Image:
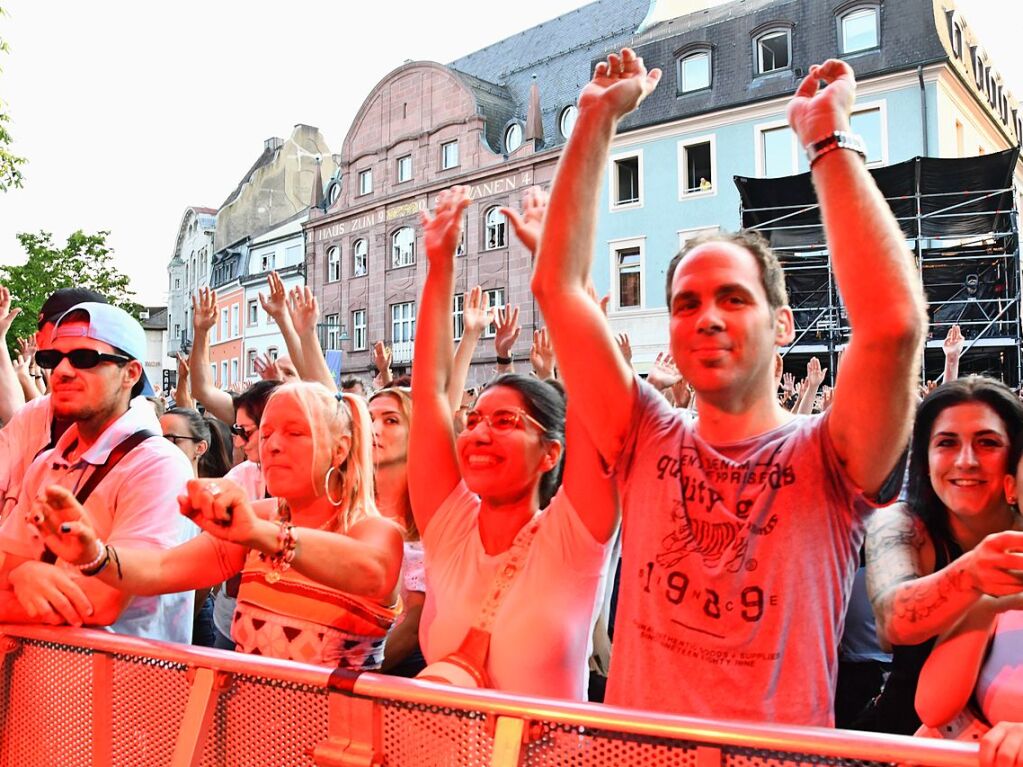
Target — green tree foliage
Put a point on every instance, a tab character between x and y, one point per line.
84	262
10	175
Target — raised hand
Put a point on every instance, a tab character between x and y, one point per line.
814	373
541	355
266	368
953	343
788	383
381	356
624	346
27	347
619	84
476	312
506	322
815	112
65	525
220	508
274	303
663	374
303	309
204	310
443	230
529	224
182	367
7	314
827	396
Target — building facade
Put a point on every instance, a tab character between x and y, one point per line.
925	88
494	121
188	270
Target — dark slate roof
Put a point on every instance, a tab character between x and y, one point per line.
496	104
908	39
157	318
560	52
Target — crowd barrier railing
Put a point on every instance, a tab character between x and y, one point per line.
84	698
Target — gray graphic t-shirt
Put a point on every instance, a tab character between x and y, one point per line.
737	563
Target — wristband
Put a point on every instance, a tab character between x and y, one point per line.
95	567
503	360
838	139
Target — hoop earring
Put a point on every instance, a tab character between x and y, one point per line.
326	487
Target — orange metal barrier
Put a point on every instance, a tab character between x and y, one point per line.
75	697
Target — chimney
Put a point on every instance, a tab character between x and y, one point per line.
273	143
534	120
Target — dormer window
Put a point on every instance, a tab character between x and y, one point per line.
512	138
772	50
859	29
694	70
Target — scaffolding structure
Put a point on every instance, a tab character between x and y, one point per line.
962	226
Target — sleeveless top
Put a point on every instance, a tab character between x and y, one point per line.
299	619
895	709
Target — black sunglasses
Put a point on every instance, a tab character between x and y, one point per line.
242	431
175	438
81	359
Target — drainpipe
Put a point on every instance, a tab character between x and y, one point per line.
923	108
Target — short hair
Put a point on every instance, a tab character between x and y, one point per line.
59	301
923	501
254	399
351	382
772	276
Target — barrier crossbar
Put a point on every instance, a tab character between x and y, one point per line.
71	697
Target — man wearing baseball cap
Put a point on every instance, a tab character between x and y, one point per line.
112	461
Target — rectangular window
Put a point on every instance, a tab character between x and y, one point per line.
627	181
694	72
860	30
627	274
333	323
272	352
405	168
696	166
267	262
293	255
773	51
250	362
778	152
224	383
253	313
869	124
359	330
458	315
403	322
177	331
234	370
225	324
449	155
495	297
365	181
235	323
213	373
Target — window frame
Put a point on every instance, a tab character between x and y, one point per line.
614	204
395	255
761	128
760	37
356	271
682	57
398	166
516	127
458	315
845	14
403	321
683	167
252	313
615	247
332	336
443	155
572	110
250	362
491	295
365	177
500	227
359	329
334	263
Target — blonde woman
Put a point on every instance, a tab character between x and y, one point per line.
319	565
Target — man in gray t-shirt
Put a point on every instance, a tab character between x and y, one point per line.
741	528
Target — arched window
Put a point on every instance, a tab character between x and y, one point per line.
334	264
512	138
772	50
360	251
693	70
567	120
859	28
496	229
403	247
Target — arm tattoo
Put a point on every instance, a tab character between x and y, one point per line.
919	604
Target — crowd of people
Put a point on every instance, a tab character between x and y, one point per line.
760	542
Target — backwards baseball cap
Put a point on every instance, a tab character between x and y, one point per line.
110	325
63	299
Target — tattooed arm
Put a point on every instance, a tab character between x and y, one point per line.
911	602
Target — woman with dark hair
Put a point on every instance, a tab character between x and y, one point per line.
217	460
514	562
932	558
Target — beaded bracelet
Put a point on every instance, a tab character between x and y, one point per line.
281	561
96	566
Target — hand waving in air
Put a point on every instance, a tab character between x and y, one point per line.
266	368
619	84
663	374
303	309
477	313
7	314
506	322
953	343
204	309
815	112
541	355
529	224
274	303
443	230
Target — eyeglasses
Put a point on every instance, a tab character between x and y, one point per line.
80	359
501	420
242	431
175	438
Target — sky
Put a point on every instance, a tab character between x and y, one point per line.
130	112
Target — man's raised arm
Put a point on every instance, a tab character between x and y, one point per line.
872	411
598	380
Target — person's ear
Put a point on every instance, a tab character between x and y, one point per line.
1011	493
551	456
201	447
341	450
784	326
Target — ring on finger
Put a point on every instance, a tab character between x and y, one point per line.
214	489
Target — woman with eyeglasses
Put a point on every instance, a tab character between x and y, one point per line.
319	566
494	514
